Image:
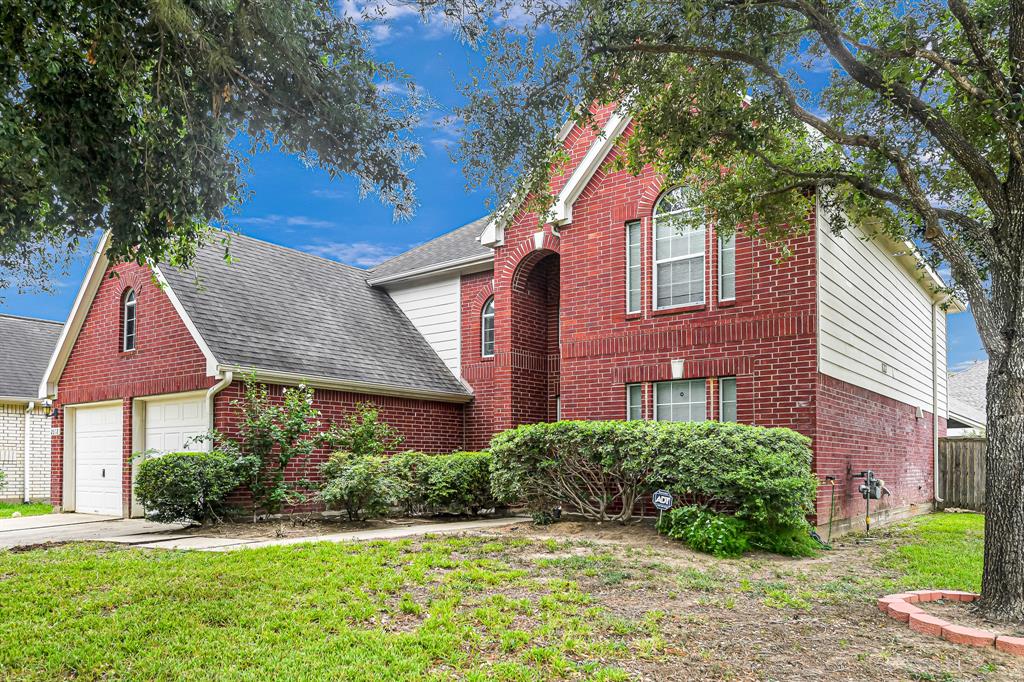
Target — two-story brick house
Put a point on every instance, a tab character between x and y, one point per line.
607	312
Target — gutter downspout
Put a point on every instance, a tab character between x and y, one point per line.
212	393
935	406
28	450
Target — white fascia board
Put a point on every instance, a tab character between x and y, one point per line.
211	361
293	379
434	269
561	212
494	234
69	333
17	400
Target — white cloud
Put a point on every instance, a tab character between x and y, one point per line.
330	193
277	220
360	254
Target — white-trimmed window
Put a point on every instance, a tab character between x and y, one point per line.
633	273
678	252
727	399
727	269
128	321
634	401
681	401
487	329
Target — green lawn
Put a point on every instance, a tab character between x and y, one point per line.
32	509
941	551
439	609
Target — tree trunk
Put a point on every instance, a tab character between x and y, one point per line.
1002	589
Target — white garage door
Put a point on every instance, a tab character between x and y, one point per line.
171	425
98	460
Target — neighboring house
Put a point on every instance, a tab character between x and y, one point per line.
26	345
605	313
967	404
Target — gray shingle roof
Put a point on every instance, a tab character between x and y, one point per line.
458	244
967	390
283	310
27	345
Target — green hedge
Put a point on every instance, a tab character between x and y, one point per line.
186	486
602	469
414	482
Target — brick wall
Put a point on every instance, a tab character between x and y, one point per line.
424	425
477	371
858	430
12	453
166	360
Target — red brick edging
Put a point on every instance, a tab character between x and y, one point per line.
902	607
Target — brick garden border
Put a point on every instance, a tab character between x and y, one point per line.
902	607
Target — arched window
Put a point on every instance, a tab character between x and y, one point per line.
128	321
487	328
678	251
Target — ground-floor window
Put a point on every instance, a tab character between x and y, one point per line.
681	401
727	399
634	401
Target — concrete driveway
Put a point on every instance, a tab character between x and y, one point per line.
34	530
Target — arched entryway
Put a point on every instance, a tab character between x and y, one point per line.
534	351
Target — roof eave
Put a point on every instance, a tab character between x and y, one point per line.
18	400
434	269
335	384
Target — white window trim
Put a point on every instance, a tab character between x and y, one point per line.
721	247
721	397
655	262
639	267
130	301
629	403
654	395
483	329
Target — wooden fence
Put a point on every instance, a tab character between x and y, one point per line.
962	473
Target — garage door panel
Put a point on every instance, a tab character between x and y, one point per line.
174	425
98	464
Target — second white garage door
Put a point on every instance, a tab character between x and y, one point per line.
98	460
173	424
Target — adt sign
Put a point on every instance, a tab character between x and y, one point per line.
662	500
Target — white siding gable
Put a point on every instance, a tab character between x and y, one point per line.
434	307
874	320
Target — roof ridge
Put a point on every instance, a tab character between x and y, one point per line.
31	319
428	242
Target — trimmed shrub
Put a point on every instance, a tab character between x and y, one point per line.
603	469
186	486
360	485
457	483
705	530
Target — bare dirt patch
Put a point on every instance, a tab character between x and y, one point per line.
300	526
761	617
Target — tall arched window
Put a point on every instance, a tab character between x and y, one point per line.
678	251
128	321
487	328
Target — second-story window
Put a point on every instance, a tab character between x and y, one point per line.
128	321
487	328
633	267
727	269
678	252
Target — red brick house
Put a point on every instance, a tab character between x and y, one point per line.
608	312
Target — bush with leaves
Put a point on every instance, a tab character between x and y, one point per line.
271	435
363	433
186	486
456	483
706	531
602	469
360	485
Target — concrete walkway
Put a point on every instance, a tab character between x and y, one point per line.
34	530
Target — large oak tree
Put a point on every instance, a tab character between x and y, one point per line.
917	123
138	117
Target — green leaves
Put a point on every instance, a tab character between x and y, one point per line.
139	117
186	486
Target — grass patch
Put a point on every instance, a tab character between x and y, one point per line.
7	509
444	608
943	551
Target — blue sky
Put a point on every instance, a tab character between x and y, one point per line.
303	208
